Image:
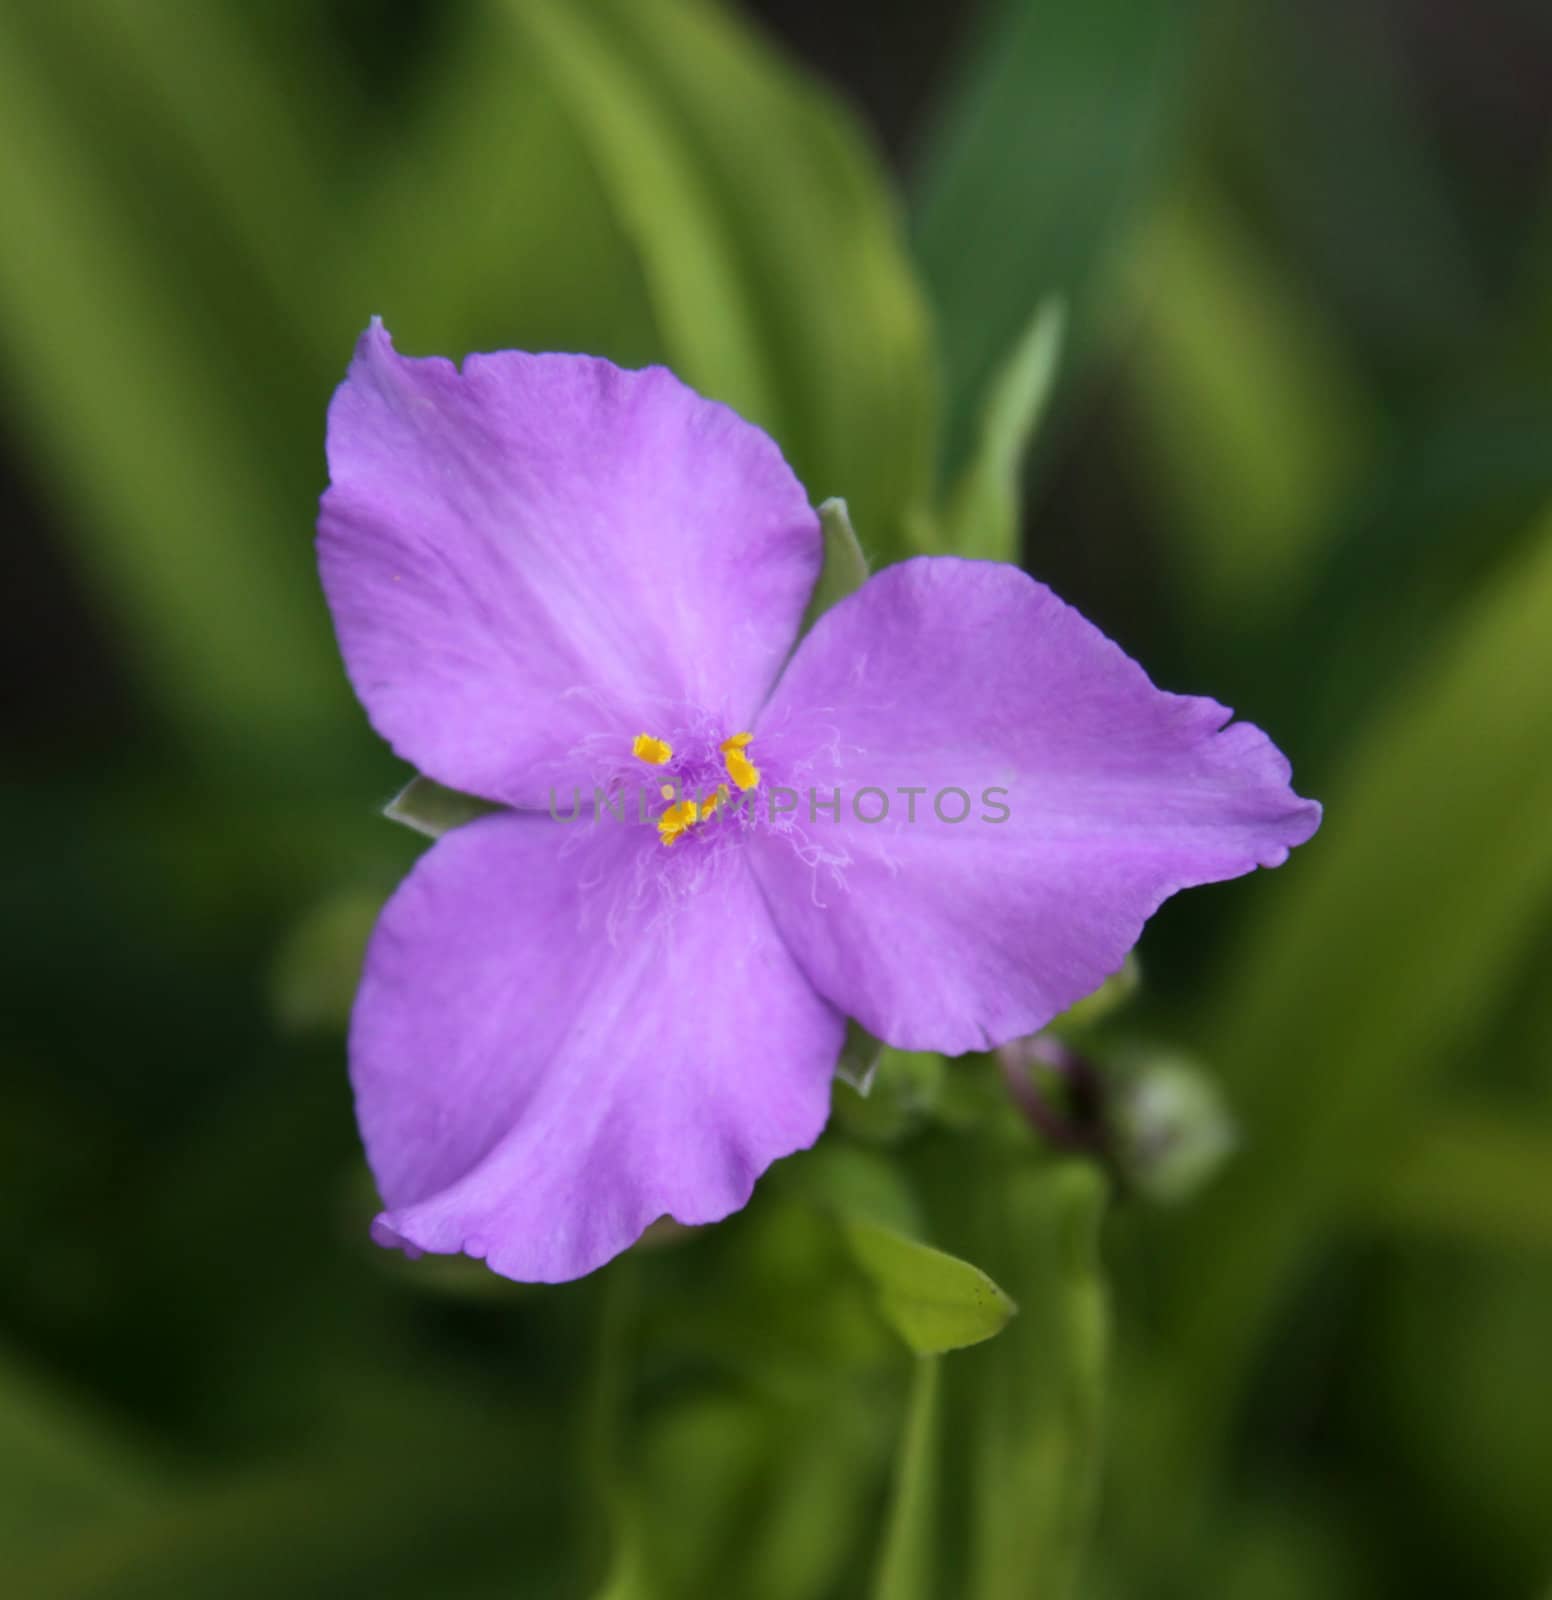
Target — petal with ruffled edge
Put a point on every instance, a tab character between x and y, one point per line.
948	675
551	1047
542	555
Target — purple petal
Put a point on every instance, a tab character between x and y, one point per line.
558	1041
942	675
543	555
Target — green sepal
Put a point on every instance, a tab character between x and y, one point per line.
845	568
860	1054
897	1092
433	810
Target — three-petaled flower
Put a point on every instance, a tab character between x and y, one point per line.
546	574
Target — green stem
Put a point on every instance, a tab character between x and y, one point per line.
906	1561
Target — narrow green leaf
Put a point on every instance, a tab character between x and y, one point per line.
194	537
984	513
1483	1176
531	250
1470	1330
62	1467
933	1300
1041	163
627	1579
1344	140
396	1507
433	810
1258	426
258	134
1036	1432
907	1560
766	234
319	965
1018	1468
810	1465
1379	954
660	185
1370	963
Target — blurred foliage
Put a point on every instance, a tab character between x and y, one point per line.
1295	453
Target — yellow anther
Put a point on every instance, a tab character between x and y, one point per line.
682	815
740	768
677	819
655	752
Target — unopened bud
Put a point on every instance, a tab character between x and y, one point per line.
1172	1130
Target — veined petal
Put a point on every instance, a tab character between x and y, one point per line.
551	1048
974	685
530	559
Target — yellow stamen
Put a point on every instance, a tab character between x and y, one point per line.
740	768
682	815
655	752
677	819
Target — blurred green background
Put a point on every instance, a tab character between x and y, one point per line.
1298	456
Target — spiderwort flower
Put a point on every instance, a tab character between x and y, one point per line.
549	576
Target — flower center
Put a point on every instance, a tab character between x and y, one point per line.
692	810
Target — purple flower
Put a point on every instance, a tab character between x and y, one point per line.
555	579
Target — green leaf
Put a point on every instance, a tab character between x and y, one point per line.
1369	962
62	1466
984	513
1018	1469
133	390
1470	1330
1037	1397
1380	952
1257	424
845	568
1473	1173
1343	141
396	1507
810	1465
627	1579
905	1565
1041	161
492	167
933	1300
319	965
767	237
254	133
433	810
